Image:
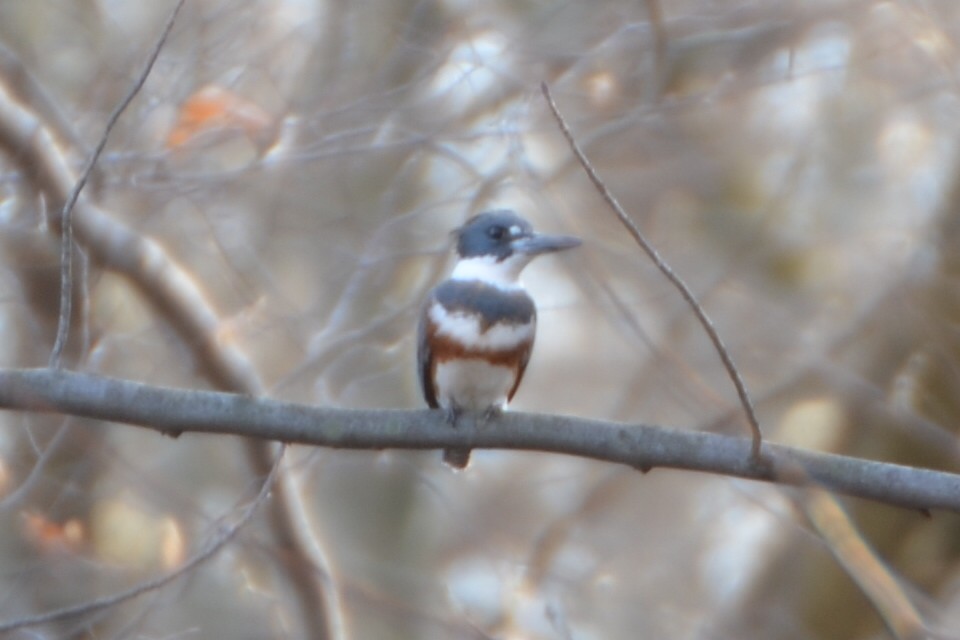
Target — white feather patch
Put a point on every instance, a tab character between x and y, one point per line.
465	329
476	384
504	274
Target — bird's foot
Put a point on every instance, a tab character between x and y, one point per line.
492	412
451	414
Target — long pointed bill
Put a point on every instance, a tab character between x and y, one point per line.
540	243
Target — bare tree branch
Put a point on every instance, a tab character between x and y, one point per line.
860	562
115	245
181	301
640	446
66	224
668	273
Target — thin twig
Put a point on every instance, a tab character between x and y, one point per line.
16	497
202	556
668	272
655	13
66	224
640	446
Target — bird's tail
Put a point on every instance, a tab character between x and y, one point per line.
457	458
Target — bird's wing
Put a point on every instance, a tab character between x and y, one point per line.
425	356
524	359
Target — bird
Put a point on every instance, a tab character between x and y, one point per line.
476	328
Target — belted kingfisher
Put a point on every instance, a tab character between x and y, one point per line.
477	327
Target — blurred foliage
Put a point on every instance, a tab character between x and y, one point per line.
794	161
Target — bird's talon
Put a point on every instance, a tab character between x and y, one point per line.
451	414
492	412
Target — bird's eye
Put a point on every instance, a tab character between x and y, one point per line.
496	232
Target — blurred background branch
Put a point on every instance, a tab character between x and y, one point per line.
167	285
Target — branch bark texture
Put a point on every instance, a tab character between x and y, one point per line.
641	446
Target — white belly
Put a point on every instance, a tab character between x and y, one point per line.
474	385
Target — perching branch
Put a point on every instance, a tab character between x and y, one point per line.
641	446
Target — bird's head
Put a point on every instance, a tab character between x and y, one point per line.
495	246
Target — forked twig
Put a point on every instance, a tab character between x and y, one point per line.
667	271
66	225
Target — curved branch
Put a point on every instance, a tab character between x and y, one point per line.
182	302
641	446
685	292
66	214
